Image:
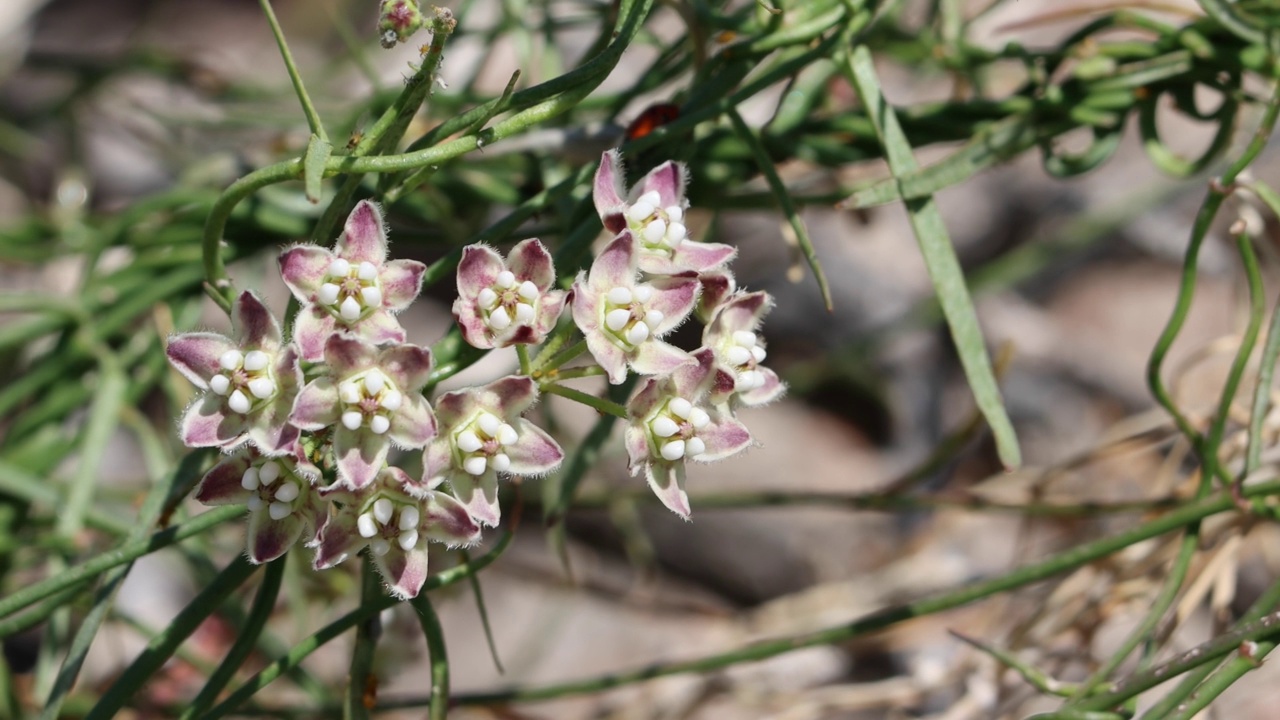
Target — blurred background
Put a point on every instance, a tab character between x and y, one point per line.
106	105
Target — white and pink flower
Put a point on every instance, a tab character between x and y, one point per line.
249	382
352	289
507	303
482	435
373	398
733	334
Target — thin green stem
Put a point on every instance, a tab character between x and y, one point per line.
439	658
247	639
601	405
360	678
309	109
522	354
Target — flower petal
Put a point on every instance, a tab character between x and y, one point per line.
668	180
359	455
771	390
667	482
207	423
269	539
743	311
348	355
692	380
364	239
585	306
454	407
511	396
303	268
529	260
405	572
607	192
724	438
636	440
401	283
608	356
413	425
535	452
478	270
337	539
275	438
479	495
648	396
446	520
221	485
196	355
254	325
654	357
549	311
311	330
703	257
379	327
717	285
316	407
615	265
472	325
408	366
437	460
674	297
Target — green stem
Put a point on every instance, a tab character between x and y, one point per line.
162	647
542	367
360	678
522	354
439	658
601	405
313	117
247	639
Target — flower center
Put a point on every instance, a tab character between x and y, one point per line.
245	379
479	444
385	521
280	499
507	302
369	399
673	430
626	317
744	353
660	229
350	292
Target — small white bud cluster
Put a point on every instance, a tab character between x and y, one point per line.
243	375
625	314
385	521
260	479
744	352
508	302
371	399
350	290
479	444
659	228
675	429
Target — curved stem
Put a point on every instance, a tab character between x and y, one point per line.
601	405
308	108
439	658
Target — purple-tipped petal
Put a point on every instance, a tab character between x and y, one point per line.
359	455
401	283
269	539
723	439
364	239
668	180
648	396
207	423
743	311
703	257
608	356
636	441
615	265
313	327
472	325
275	438
437	460
674	297
535	452
608	190
549	312
404	572
254	325
316	407
477	270
221	485
585	306
510	396
655	357
453	407
303	268
479	495
691	379
347	355
336	540
413	425
408	366
771	390
196	355
445	520
717	286
529	260
667	482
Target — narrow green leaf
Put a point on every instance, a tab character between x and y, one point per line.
313	164
940	259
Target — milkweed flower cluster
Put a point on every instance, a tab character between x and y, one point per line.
308	426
